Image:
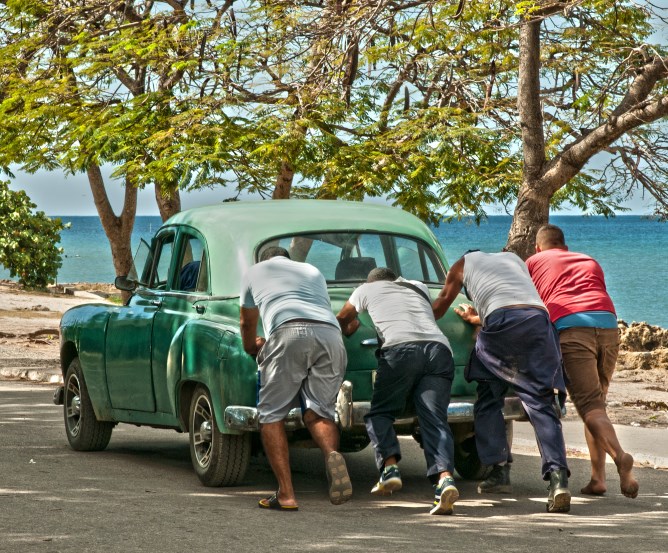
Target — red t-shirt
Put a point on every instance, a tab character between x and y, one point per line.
569	282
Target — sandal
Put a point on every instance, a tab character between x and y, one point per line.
272	502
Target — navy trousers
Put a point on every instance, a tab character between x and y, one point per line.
420	373
518	347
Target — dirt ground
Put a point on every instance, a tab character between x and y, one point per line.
638	395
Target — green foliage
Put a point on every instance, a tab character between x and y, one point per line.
28	240
400	100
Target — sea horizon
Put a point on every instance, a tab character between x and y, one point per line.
630	248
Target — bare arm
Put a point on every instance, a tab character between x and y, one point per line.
348	320
248	319
468	313
453	285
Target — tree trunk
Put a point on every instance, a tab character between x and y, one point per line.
533	200
531	212
118	229
168	203
284	182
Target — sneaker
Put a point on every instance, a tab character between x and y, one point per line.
445	497
340	487
498	480
559	498
390	481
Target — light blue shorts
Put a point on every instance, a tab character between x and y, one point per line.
302	363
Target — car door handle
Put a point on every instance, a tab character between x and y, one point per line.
199	308
370	342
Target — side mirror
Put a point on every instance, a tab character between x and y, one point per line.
124	283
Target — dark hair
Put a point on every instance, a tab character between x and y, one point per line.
551	235
274	251
381	273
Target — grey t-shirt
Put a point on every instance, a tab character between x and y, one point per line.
284	290
495	280
399	314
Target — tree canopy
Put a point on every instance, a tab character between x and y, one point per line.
441	106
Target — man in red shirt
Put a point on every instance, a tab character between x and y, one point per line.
572	286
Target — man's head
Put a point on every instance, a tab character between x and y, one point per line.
550	237
274	251
381	273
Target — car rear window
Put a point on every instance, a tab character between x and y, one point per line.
349	256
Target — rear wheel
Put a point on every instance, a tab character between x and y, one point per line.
84	431
218	459
467	462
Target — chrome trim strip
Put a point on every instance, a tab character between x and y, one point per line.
350	414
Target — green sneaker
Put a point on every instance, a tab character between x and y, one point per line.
445	496
390	481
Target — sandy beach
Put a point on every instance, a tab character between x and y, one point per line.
29	349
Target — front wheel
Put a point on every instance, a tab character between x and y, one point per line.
84	431
218	459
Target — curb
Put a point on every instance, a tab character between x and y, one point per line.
31	375
521	442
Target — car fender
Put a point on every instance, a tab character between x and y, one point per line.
212	354
82	334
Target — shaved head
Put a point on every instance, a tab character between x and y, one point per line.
381	273
549	237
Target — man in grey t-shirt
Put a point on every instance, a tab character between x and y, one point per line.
415	362
302	360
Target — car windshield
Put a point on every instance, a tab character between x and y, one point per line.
348	257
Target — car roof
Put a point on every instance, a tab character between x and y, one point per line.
240	227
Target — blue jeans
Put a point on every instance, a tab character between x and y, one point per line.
417	373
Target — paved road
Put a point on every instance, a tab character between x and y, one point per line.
142	495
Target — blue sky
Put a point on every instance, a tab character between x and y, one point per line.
56	194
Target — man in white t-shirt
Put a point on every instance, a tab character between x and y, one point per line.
301	361
415	363
517	347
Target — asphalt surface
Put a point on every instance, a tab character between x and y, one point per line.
141	494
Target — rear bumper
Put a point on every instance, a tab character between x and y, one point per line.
350	415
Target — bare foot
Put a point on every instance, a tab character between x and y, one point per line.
627	483
594	487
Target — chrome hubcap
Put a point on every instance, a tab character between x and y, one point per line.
202	431
73	406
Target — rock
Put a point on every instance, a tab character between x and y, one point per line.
642	337
642	347
643	360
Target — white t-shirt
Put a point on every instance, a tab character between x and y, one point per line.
399	314
284	290
495	280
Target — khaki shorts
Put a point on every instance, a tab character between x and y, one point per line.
302	363
590	355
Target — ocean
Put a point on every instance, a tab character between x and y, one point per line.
631	249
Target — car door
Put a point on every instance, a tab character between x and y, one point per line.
185	299
128	348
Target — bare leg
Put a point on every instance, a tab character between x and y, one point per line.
605	440
597	484
275	444
324	432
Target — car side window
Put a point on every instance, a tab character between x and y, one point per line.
163	259
192	275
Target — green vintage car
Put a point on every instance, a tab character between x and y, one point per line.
172	357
